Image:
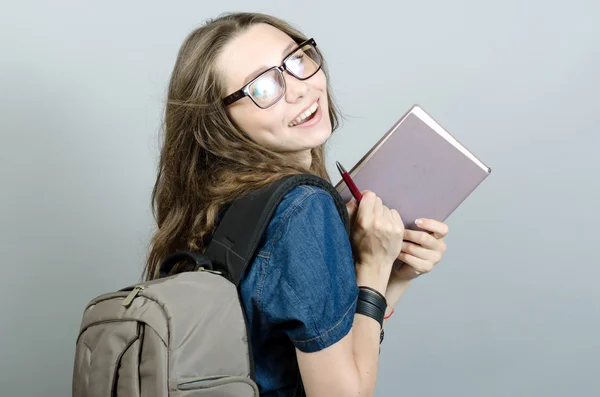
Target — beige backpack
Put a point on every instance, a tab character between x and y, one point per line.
183	335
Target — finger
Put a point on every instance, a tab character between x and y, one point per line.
420	252
438	228
379	207
422	238
365	209
407	270
418	264
396	216
387	213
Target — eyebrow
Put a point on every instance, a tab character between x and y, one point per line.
262	68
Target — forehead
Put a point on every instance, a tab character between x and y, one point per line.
260	45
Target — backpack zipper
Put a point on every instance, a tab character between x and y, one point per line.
136	290
202	269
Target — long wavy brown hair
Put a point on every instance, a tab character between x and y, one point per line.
206	161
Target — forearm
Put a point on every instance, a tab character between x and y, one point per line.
366	335
394	291
365	340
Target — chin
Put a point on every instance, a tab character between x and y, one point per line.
317	135
325	135
316	138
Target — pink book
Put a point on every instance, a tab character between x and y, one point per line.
418	169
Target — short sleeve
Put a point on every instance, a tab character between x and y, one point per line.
309	288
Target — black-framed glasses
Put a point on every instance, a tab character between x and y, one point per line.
269	86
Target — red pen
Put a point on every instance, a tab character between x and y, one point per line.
349	182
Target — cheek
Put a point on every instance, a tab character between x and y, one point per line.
320	84
244	117
320	81
258	123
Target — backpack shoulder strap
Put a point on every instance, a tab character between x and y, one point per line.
239	233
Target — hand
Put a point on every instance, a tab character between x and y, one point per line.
376	237
421	250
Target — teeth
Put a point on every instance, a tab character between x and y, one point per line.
304	115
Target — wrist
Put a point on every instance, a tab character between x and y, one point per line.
371	277
371	303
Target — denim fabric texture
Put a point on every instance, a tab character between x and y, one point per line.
301	289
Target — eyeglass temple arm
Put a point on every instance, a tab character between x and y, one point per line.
234	97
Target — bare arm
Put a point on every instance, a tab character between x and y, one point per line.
349	367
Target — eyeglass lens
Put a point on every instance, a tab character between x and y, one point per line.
268	88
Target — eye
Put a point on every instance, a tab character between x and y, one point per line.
296	64
267	88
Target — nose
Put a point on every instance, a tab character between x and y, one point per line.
295	89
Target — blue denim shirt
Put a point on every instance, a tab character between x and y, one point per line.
301	289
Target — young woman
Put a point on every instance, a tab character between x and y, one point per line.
249	103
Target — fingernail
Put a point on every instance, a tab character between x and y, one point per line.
419	221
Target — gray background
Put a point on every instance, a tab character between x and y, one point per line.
513	309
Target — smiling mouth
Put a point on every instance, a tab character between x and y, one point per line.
307	115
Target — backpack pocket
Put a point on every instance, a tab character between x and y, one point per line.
121	350
106	362
217	386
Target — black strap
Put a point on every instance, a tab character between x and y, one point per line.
241	230
370	310
199	259
373	299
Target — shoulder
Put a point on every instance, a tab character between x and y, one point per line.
306	195
304	209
